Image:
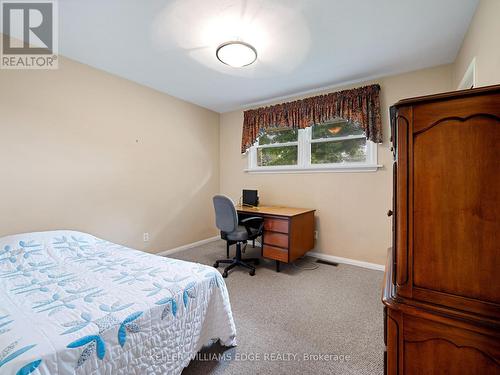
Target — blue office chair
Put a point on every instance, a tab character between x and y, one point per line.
226	219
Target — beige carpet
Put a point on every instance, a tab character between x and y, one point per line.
286	320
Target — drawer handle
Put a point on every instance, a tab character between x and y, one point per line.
390	213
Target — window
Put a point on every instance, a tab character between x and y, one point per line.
338	146
278	147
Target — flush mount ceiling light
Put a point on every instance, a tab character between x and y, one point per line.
236	54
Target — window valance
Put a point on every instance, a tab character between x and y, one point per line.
360	105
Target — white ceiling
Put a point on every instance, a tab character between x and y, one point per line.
170	45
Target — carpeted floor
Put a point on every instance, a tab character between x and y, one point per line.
286	320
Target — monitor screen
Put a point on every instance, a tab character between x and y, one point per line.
250	198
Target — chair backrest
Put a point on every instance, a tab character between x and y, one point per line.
226	217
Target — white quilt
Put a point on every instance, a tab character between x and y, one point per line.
71	303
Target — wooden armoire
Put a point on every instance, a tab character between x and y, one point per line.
442	281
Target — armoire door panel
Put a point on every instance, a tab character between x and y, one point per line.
428	114
456	206
445	346
439	355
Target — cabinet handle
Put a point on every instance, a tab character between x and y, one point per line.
389	213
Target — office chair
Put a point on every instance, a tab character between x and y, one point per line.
230	243
226	219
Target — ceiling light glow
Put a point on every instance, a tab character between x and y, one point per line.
236	54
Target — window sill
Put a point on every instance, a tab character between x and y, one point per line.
324	169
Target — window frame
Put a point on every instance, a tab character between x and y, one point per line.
304	164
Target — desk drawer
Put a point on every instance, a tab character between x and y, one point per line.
276	239
276	225
275	253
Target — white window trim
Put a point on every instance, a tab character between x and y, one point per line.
304	157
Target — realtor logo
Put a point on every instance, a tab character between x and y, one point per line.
29	34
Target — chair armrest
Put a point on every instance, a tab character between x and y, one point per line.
246	220
256	219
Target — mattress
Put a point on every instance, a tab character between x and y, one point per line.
71	303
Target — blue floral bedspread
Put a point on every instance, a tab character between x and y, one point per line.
71	303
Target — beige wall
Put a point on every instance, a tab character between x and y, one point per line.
482	41
351	207
82	149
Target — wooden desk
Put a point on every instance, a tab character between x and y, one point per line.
288	232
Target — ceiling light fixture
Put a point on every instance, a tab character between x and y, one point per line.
236	54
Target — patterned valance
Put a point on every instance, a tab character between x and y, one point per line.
360	105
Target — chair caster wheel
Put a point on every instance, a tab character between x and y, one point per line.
224	274
252	273
216	264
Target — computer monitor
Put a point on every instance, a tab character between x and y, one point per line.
250	198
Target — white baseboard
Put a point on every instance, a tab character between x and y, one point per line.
330	258
188	246
352	262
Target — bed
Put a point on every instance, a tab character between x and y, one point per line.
71	303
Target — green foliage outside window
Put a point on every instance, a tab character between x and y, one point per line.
335	130
332	151
278	135
272	156
348	151
342	151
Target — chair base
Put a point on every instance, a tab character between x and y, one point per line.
237	261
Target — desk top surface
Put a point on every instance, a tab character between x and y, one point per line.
273	210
